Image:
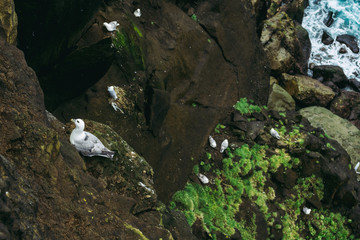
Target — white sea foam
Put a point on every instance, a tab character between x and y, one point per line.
346	21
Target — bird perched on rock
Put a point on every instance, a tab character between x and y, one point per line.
86	143
111	26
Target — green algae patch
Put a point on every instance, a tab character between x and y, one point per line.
137	30
128	47
135	230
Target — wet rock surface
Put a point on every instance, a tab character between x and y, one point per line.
326	38
332	76
349	41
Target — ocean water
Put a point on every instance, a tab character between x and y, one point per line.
346	21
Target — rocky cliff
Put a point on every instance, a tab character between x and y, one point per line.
177	70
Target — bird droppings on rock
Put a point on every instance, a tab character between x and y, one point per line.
118	99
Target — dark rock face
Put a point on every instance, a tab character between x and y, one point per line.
347	106
194	72
302	58
332	76
46	190
326	38
49	30
349	41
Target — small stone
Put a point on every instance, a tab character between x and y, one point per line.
326	38
342	50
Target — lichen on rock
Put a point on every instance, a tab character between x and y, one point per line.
8	19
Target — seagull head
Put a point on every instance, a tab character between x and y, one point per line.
79	123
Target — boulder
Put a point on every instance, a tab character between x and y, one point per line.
306	90
294	9
347	106
350	41
280	43
328	21
341	130
332	76
280	100
326	38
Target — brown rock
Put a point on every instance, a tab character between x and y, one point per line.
47	192
280	100
347	106
307	91
8	19
280	43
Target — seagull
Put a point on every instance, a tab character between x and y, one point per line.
111	26
86	143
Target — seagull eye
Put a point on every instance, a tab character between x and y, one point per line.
77	121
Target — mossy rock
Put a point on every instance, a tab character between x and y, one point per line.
341	130
127	173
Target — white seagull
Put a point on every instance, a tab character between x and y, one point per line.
86	143
111	26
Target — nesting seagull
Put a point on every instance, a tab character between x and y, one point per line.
111	26
86	143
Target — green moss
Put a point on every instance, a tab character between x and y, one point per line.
245	107
137	30
128	46
218	127
330	146
196	169
217	206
